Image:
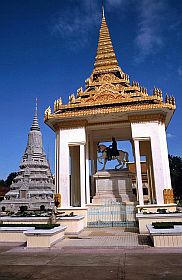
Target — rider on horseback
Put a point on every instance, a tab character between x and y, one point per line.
112	150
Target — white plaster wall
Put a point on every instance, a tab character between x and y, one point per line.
67	137
156	133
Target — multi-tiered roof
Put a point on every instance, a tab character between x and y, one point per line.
108	91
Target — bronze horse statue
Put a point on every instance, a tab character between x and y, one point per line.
122	157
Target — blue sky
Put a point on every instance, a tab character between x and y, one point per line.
47	50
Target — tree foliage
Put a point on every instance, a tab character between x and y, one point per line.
9	180
175	164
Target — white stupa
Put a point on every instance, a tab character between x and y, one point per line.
33	186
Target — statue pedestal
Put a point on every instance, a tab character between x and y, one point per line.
113	185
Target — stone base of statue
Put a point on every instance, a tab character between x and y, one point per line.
113	185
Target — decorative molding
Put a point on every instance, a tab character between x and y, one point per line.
86	112
147	118
108	123
70	124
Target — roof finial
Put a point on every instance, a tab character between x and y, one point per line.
103	9
36	104
35	125
105	60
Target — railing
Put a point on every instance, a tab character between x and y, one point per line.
111	214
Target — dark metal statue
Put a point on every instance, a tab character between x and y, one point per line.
112	153
112	150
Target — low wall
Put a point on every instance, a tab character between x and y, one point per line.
79	211
154	207
13	234
112	214
44	238
166	237
146	219
74	224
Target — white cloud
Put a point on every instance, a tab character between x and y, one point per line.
115	3
179	72
76	24
151	22
170	135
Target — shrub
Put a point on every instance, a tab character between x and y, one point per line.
163	225
162	211
23	208
42	207
46	226
37	226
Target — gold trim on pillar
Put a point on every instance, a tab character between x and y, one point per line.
57	199
168	196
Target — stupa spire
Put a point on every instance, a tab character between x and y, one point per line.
103	15
33	184
35	124
105	59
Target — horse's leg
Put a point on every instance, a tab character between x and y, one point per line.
126	159
100	157
119	163
105	161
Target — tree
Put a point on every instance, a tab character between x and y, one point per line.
10	178
2	183
175	164
5	184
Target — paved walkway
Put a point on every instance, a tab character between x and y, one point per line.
106	237
107	254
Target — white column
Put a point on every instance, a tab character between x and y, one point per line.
57	163
155	131
138	172
159	171
167	176
64	179
87	174
82	174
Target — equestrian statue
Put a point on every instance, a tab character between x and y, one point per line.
111	153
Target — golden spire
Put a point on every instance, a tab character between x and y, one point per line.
103	8
105	59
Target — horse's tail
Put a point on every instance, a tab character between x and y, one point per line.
126	157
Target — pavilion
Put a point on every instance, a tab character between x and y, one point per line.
110	106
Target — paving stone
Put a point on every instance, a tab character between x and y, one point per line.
103	255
